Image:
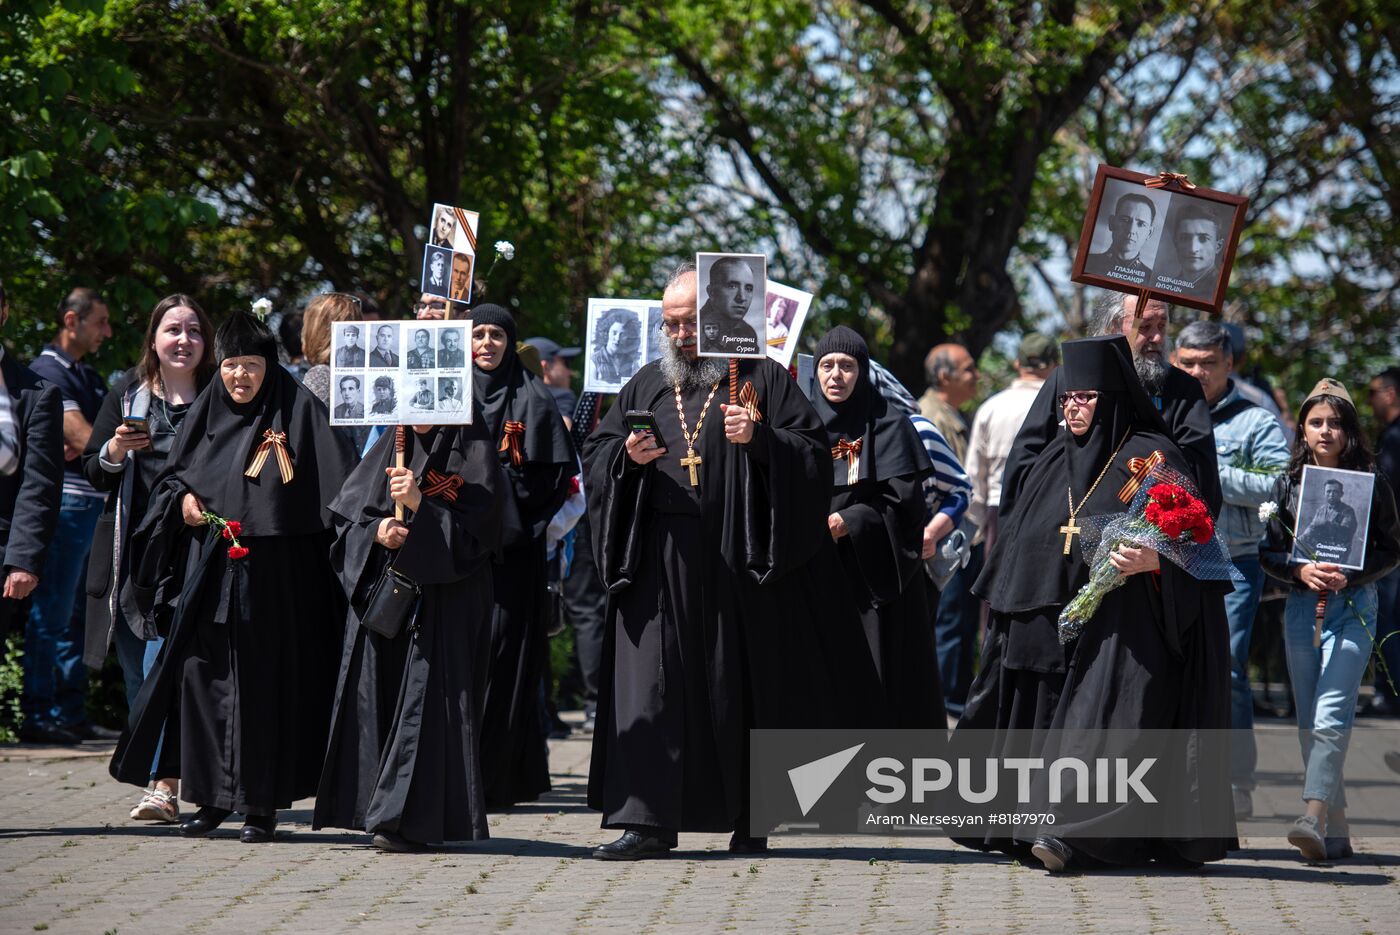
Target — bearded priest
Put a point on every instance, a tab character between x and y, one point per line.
707	532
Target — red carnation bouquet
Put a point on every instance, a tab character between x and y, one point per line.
1166	516
230	530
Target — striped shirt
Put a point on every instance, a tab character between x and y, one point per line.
82	390
948	490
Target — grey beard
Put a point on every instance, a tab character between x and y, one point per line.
1152	371
680	370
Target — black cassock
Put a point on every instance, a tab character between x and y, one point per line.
515	755
719	618
884	511
404	752
1154	657
242	688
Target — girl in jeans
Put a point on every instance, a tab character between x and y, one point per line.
1326	678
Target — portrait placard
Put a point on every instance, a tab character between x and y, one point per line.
615	346
1175	242
450	255
785	312
1334	513
415	371
731	304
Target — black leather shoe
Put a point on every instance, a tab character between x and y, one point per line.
259	829
95	732
743	844
1052	852
204	821
396	843
633	845
55	735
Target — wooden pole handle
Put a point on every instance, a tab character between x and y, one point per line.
399	442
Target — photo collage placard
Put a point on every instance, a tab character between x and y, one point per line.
449	259
411	372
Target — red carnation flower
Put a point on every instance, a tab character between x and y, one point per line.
234	527
236	552
226	533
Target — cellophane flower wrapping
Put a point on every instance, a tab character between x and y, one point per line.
1177	509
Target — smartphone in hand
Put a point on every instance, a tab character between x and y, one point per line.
644	420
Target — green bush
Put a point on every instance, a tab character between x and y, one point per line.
11	685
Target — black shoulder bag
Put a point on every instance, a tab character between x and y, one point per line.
391	603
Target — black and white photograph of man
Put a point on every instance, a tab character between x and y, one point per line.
386	400
450	353
1196	243
614	347
1126	232
437	271
731	298
460	289
449	394
444	226
1334	508
384	353
421	356
422	398
352	399
350	353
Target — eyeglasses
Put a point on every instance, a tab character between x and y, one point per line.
346	295
1079	397
675	327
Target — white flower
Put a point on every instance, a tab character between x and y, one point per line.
262	307
1267	511
506	249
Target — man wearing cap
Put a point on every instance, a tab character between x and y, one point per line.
350	354
996	423
555	371
1250	451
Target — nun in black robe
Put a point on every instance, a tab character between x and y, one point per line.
538	456
720	617
243	686
883	510
404	760
1154	657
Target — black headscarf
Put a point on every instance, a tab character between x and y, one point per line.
511	393
219	438
890	445
1027	569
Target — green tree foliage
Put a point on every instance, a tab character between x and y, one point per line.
258	147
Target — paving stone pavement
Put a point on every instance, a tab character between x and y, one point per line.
71	861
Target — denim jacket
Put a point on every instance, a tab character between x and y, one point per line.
1248	443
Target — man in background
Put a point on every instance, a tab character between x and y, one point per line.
995	426
55	679
1384	393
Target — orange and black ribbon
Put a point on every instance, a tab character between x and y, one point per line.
466	229
1141	469
1163	179
512	434
272	441
850	450
445	486
748	398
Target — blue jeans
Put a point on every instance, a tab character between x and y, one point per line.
1241	605
955	633
147	661
1388	636
55	679
1326	680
